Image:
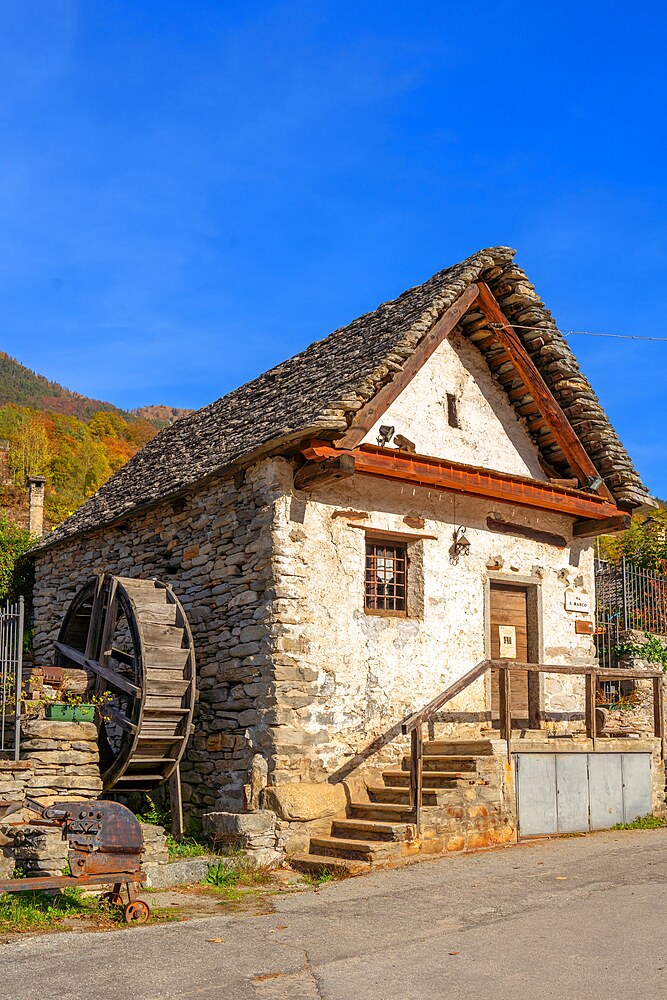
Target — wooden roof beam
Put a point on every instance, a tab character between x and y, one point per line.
439	474
382	400
588	528
577	456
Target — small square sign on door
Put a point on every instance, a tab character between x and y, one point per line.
507	634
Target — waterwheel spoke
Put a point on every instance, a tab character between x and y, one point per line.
138	645
115	680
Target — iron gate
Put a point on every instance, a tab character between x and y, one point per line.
11	676
627	598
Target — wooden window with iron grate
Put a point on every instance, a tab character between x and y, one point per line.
386	583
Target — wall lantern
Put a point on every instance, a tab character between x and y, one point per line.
461	543
385	434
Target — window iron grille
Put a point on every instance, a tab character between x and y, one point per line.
386	578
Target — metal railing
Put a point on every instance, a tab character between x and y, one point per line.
413	725
627	597
11	676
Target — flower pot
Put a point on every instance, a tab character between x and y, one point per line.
58	712
84	713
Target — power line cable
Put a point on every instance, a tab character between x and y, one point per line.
587	333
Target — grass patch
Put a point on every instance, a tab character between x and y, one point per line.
235	880
649	822
321	877
26	911
188	847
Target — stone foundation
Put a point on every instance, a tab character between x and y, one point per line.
59	760
254	833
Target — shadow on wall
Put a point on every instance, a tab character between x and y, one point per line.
391	734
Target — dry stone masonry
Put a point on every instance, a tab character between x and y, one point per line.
300	692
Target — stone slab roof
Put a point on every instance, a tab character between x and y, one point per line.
318	391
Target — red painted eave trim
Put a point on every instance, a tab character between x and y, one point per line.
437	473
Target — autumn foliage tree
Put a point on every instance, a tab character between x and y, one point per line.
76	456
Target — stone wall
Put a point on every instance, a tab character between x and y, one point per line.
289	666
347	678
59	761
214	547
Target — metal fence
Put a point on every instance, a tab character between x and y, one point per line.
11	676
627	598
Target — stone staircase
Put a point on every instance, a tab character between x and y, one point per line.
461	808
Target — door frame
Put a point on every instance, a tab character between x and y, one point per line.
533	587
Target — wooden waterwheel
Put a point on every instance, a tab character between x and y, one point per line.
133	639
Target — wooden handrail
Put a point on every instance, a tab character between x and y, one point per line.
413	724
428	711
637	673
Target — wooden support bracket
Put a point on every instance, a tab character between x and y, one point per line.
315	475
588	527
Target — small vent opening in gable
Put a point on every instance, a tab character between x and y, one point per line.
452	410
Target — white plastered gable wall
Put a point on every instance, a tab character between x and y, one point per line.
373	670
489	435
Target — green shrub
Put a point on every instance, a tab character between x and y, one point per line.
14	576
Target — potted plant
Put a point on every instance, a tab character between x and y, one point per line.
64	705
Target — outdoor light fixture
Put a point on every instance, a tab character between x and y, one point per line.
461	543
594	483
385	434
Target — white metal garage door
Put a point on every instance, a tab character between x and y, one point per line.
576	792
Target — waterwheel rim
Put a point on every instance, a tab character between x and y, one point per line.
142	733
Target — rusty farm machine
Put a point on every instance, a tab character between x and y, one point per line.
132	638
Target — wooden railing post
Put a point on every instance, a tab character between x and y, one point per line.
659	714
416	775
591	719
505	709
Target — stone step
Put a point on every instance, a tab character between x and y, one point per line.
439	762
400	796
466	748
390	812
346	847
317	864
430	779
372	829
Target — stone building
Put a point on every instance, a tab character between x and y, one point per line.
356	529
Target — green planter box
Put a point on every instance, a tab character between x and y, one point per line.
58	712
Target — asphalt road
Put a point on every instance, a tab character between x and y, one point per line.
567	919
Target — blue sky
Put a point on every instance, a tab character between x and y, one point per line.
191	192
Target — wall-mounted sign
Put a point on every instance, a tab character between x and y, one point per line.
577	601
582	627
507	634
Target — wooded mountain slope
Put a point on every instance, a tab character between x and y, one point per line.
23	387
75	441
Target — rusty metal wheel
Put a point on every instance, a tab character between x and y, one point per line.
137	912
111	898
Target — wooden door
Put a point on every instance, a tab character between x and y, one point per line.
509	640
